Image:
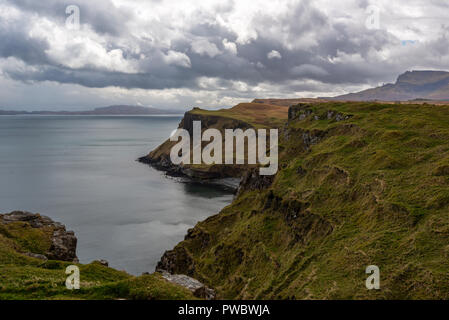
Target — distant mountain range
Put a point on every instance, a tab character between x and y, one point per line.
411	85
111	110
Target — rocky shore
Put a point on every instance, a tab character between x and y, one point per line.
53	242
62	243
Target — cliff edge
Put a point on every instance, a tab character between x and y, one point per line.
242	116
359	184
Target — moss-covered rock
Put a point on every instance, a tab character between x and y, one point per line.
31	243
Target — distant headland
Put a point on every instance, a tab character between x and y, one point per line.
110	110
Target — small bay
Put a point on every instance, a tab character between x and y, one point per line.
82	171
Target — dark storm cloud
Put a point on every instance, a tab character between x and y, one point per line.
302	43
16	43
102	15
102	79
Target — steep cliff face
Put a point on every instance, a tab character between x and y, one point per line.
242	116
359	184
160	157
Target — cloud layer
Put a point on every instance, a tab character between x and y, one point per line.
210	54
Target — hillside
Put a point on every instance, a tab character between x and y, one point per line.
288	102
111	110
243	115
359	184
34	254
411	85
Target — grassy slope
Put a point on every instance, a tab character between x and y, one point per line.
381	186
22	277
255	115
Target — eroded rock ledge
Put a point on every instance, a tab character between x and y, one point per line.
62	242
198	289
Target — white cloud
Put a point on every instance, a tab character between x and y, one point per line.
273	54
204	47
211	51
230	46
178	59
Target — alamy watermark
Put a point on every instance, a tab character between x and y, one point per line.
72	22
372	22
258	151
73	280
373	281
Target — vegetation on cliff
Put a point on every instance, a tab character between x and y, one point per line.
359	184
26	240
243	116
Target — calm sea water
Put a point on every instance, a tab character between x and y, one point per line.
81	171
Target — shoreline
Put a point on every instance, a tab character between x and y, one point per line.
191	175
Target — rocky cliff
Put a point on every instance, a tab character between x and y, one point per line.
242	116
359	184
56	243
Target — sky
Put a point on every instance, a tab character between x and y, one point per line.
210	54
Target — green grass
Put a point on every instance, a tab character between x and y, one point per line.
22	277
380	179
256	114
244	115
373	190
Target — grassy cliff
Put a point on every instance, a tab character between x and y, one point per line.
25	277
359	184
243	116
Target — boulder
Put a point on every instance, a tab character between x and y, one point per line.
36	256
102	262
198	289
63	242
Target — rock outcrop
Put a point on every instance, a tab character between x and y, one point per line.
176	261
160	157
302	111
251	181
198	289
62	242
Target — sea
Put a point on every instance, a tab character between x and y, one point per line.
82	171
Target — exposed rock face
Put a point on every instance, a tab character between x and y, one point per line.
36	256
312	137
160	157
63	246
63	242
251	181
176	261
304	224
303	111
35	220
198	289
211	121
309	138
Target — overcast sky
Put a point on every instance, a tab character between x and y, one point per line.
180	54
